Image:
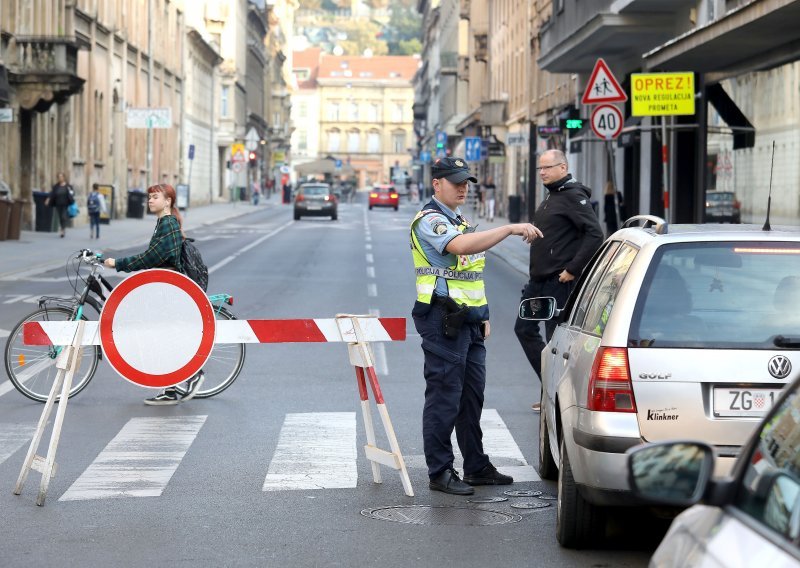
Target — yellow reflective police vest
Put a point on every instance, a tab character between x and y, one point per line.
464	279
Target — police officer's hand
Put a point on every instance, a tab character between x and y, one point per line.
565	277
485	329
527	231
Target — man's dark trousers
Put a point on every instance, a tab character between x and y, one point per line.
455	377
528	331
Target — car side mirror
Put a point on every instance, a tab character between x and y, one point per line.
538	309
670	473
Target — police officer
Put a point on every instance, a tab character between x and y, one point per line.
451	315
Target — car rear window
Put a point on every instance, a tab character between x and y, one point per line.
719	295
315	190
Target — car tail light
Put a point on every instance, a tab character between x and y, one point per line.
610	386
327	198
393	196
737	204
299	197
373	195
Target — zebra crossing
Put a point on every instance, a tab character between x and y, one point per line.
315	451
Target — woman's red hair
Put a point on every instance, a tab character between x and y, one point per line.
169	192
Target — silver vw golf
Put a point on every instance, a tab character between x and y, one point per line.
681	331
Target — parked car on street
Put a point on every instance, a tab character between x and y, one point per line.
383	196
671	331
723	207
749	519
315	199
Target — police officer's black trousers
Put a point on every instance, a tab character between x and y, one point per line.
528	331
455	377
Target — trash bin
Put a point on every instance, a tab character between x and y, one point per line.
5	217
136	200
15	220
44	213
514	208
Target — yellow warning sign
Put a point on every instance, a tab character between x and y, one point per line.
237	152
662	94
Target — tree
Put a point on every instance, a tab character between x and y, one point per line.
410	47
361	36
311	4
405	24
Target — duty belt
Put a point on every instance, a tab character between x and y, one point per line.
449	273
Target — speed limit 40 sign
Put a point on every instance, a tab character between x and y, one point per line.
607	122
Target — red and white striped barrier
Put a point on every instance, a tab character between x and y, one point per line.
339	329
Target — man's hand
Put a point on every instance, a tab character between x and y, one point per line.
486	329
527	231
565	277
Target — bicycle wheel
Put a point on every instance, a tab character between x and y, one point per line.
32	368
223	365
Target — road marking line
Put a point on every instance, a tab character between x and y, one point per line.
370	259
5	332
139	461
13	437
370	272
315	451
368	246
372	290
244	249
5	387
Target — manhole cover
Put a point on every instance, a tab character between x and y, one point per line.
522	493
530	505
547	497
436	515
487	500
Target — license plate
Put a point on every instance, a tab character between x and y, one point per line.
313	207
743	401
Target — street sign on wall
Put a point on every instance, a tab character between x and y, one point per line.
148	117
662	94
472	149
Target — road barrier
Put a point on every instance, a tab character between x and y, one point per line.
163	303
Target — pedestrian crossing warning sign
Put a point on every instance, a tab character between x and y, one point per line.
603	87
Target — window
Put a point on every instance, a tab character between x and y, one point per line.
224	101
374	142
302	110
302	141
372	112
397	112
588	290
771	483
333	111
353	141
353	111
333	141
398	142
599	310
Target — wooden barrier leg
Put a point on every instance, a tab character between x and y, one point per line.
387	426
68	363
366	412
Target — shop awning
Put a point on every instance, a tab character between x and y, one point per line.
759	35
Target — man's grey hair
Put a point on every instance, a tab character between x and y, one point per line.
558	155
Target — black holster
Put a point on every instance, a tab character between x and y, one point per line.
455	315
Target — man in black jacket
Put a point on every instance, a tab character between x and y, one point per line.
572	234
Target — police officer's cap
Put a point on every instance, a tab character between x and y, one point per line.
454	170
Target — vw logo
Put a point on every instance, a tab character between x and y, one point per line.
779	367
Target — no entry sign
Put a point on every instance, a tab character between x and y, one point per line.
157	328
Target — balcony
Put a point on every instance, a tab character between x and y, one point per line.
43	71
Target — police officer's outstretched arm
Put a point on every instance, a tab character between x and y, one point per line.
472	243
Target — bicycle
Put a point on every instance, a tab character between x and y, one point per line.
32	370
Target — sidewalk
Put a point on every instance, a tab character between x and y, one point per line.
36	252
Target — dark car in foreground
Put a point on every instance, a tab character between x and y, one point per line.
317	199
751	518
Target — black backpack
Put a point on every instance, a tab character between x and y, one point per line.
93	203
193	265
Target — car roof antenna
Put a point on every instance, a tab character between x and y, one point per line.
766	226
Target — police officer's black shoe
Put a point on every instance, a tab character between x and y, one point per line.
449	482
488	476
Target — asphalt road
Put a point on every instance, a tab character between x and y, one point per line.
222	496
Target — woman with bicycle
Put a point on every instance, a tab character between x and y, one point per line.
164	251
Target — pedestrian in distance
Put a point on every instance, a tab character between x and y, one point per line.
489	191
164	251
95	205
572	234
61	197
451	314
